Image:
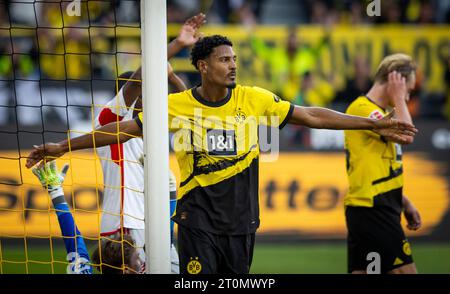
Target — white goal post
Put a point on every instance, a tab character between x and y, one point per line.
156	137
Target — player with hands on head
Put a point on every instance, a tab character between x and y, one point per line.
375	200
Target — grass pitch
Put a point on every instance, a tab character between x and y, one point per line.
309	258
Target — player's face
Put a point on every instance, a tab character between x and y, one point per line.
221	66
135	263
410	84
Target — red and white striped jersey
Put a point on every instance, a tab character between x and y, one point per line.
123	174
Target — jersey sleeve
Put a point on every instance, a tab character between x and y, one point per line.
114	110
139	119
364	109
368	110
276	111
172	113
175	104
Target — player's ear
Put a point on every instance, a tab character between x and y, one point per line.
202	66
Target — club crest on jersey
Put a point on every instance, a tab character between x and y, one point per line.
194	267
376	114
240	116
221	142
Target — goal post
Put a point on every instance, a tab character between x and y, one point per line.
156	137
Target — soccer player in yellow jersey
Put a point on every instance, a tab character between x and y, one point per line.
216	144
375	201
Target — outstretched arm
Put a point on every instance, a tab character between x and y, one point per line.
322	118
112	133
77	253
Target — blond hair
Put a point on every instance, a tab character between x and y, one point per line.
399	62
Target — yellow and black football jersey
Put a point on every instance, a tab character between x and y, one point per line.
374	165
216	145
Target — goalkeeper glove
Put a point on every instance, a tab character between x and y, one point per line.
50	178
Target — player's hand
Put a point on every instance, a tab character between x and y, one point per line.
189	31
395	130
48	174
397	90
412	217
50	150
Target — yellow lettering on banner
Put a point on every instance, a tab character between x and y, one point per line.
300	193
428	45
303	193
26	208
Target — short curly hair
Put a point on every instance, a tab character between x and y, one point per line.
205	46
108	258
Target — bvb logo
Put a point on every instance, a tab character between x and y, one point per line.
406	247
240	116
194	267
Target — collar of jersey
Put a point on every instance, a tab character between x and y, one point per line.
368	98
210	103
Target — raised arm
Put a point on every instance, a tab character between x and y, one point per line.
322	118
133	88
175	80
111	133
397	90
187	36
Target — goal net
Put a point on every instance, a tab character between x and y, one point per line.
60	63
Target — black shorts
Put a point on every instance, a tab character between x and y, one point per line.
375	229
201	252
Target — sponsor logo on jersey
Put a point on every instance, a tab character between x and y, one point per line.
221	142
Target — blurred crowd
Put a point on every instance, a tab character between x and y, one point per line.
87	47
290	12
280	12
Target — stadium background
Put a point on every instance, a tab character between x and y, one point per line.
57	71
